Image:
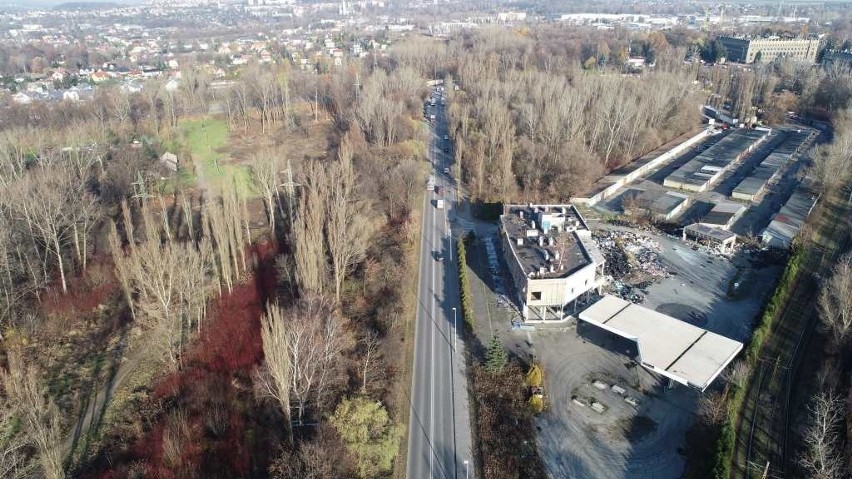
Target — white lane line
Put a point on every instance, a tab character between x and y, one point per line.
431	367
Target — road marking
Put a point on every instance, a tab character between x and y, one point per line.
431	366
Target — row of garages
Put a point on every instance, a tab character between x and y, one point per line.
768	171
701	172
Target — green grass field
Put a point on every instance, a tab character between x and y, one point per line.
206	139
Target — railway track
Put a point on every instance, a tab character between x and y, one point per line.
768	425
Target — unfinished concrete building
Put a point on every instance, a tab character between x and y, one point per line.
551	257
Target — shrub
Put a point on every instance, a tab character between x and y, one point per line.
464	286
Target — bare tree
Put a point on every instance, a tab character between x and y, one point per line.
309	254
347	228
265	167
315	341
737	374
44	200
39	415
712	408
835	301
168	286
370	343
822	458
275	377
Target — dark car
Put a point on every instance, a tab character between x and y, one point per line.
439	256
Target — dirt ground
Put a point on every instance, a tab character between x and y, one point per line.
625	441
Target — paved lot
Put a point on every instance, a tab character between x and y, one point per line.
624	441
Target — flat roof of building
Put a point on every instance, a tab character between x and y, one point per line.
574	246
722	213
676	349
712	233
783	152
785	225
718	157
659	202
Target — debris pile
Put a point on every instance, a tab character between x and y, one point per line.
632	260
631	257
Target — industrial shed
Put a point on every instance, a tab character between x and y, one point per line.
753	186
787	223
723	215
719	237
668	346
701	172
610	184
657	204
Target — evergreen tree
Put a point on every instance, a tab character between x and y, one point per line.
495	356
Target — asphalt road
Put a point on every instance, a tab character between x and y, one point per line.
439	439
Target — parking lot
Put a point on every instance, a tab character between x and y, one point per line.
590	430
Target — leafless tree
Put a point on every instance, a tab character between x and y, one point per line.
712	408
737	374
315	341
167	285
276	377
44	201
370	343
265	167
822	458
347	228
835	300
309	254
39	415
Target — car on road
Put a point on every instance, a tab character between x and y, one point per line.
447	170
446	150
446	137
439	256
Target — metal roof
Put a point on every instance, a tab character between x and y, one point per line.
671	347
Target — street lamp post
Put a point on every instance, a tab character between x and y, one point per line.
456	328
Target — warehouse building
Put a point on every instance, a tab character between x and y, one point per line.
672	348
551	257
749	50
701	172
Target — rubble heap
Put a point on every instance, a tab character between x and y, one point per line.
632	260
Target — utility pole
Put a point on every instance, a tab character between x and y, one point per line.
140	190
290	186
456	328
357	86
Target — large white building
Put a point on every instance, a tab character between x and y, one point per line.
551	257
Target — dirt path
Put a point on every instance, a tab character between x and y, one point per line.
94	405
